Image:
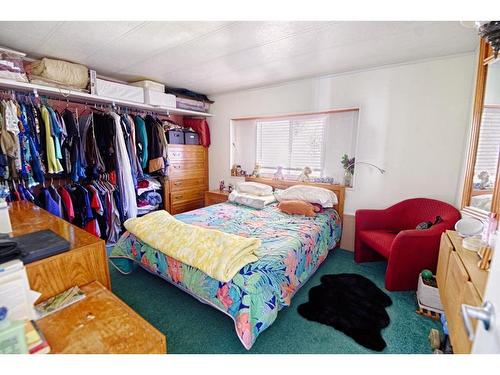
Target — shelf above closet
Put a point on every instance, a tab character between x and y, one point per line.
64	93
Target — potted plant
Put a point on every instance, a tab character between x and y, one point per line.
348	165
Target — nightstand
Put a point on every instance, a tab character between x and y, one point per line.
215	196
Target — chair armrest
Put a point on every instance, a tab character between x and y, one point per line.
409	240
374	219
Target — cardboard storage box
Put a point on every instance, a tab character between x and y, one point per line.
175	136
191	138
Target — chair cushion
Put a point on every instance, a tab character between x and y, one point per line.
378	240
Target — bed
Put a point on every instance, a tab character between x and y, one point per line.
294	245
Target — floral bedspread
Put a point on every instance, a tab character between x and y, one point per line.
292	249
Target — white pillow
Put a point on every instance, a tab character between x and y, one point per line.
254	188
255	201
311	194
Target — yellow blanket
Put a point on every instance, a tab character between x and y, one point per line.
220	255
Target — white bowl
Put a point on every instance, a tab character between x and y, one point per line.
472	243
469	226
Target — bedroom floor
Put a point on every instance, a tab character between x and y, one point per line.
193	327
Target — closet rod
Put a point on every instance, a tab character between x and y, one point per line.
60	93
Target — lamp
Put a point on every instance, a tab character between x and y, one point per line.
381	170
349	169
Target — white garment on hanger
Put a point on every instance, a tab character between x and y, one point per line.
124	175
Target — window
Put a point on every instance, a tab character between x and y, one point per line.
292	143
489	141
315	140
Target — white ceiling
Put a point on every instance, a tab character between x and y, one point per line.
216	57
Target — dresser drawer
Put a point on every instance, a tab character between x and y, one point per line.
187	169
186	152
186	196
186	206
188	183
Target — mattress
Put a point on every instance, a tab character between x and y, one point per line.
292	249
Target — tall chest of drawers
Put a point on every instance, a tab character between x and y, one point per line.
460	281
184	190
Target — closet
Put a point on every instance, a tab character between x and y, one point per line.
95	163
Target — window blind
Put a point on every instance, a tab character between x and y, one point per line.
292	143
489	142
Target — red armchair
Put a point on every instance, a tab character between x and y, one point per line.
390	234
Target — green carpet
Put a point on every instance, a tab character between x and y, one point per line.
193	327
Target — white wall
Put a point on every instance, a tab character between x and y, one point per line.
413	122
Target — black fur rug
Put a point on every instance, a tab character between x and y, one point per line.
352	304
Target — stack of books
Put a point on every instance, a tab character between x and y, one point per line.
35	340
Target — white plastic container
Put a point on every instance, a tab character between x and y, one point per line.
428	297
157	98
5	226
12	336
149	85
114	90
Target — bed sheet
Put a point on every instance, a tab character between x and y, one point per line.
292	249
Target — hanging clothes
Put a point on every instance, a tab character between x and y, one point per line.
124	172
157	146
9	141
104	134
71	147
69	212
141	141
45	200
53	164
200	126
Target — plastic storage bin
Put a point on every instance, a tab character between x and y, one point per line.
191	138
120	91
12	337
175	137
157	98
428	297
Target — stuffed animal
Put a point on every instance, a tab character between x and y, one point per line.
298	208
256	171
304	176
484	177
278	175
234	170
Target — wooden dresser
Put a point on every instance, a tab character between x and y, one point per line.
460	281
184	190
84	263
100	324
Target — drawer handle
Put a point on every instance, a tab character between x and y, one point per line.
178	197
176	154
177	167
177	183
